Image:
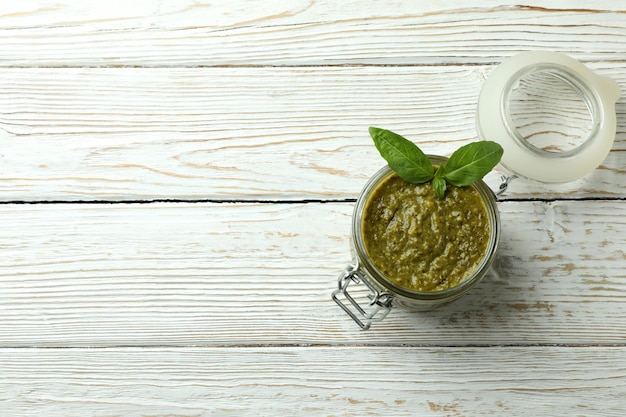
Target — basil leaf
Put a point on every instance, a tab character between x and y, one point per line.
468	164
471	162
439	184
403	156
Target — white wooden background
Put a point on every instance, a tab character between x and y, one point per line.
176	185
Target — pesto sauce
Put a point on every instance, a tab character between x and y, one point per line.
420	242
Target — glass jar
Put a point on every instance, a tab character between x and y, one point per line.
383	293
509	112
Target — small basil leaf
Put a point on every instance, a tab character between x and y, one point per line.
471	162
439	184
403	156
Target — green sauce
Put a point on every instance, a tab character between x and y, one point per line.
420	242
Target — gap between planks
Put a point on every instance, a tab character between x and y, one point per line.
320	346
273	201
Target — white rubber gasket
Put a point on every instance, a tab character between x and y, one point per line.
493	121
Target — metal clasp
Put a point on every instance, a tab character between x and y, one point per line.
380	301
505	184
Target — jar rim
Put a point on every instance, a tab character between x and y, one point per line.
576	83
365	263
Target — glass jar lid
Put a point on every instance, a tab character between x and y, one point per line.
554	117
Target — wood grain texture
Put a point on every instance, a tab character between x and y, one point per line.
124	134
294	381
303	32
250	274
219	304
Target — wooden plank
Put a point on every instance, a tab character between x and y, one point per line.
355	381
241	274
303	32
245	133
